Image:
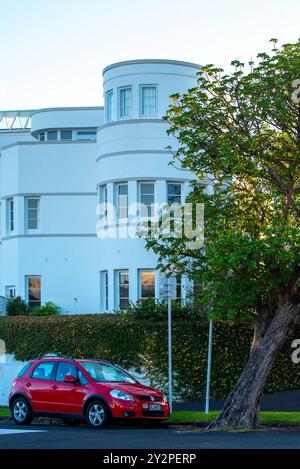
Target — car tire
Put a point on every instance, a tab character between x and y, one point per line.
21	411
72	422
97	414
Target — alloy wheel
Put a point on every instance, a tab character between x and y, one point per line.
20	411
96	414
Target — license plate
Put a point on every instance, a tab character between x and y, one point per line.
154	407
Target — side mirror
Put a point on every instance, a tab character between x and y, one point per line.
70	379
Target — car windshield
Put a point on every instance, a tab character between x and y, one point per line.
103	373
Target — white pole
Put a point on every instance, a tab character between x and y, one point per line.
170	344
208	366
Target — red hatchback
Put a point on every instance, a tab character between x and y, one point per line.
77	390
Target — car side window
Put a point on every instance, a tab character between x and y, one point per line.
43	371
64	369
24	369
82	379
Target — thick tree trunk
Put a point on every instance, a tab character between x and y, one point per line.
241	408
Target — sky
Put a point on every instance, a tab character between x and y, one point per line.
52	52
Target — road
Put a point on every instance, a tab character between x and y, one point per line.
61	437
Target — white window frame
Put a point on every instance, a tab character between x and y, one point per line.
90	135
140	271
104	290
123	88
27	277
103	202
65	139
152	214
142	87
175	183
8	289
117	185
27	213
118	285
109	110
10	215
52	132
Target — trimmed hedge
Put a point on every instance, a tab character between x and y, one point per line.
142	344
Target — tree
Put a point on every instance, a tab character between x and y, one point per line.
242	132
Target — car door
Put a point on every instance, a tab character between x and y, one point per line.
39	384
67	398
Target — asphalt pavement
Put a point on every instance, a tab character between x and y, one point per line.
62	437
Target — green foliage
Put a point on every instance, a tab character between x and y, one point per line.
151	308
141	344
48	309
242	131
17	307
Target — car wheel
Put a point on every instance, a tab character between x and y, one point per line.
72	422
97	414
21	411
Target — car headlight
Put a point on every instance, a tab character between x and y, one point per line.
121	395
165	399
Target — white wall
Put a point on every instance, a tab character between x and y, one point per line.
8	372
62	251
60	118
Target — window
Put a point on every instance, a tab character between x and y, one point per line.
44	371
148	101
178	287
33	213
82	379
103	373
123	288
10	215
10	291
147	284
52	135
66	134
24	369
86	135
42	137
33	288
146	199
125	102
64	369
103	201
104	290
122	201
109	105
174	193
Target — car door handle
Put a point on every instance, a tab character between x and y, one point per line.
28	385
54	386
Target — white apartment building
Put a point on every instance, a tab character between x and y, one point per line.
57	164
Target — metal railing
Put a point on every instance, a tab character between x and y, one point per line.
3	305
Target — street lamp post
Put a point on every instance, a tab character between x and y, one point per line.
208	366
168	294
170	344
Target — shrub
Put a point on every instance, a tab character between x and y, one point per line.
142	344
17	307
150	308
49	309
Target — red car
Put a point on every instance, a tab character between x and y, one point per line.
76	390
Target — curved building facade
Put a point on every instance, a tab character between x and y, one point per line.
56	171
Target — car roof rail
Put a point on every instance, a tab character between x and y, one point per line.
56	355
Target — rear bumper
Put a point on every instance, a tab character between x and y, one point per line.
138	410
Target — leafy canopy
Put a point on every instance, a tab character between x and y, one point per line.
241	132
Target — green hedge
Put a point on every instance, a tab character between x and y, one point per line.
142	344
